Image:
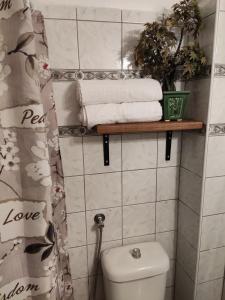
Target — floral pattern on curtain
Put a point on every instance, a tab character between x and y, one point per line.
34	263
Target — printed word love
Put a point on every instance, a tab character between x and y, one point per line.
13	216
22	219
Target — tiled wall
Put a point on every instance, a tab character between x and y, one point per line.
201	226
138	192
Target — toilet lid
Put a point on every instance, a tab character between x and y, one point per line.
123	264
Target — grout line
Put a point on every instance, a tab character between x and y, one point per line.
190	171
211	249
125	171
78	44
221	213
122	195
211	280
187	206
219	176
181	266
125	238
85	207
156	179
121	41
179	233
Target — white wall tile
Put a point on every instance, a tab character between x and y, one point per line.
211	265
131	36
113	225
56	11
99	45
139	151
187	256
212	234
167	183
135	16
76	229
94	158
166	215
218	105
138	219
214	196
78	262
215	165
139	186
206	37
184	288
139	239
188	224
72	155
99	14
210	290
62	43
92	255
220	41
80	288
67	105
168	241
74	189
175	150
193	146
103	190
198	100
190	189
207	7
222	4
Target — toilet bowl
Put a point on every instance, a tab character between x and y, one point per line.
135	272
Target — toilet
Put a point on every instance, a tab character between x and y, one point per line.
135	272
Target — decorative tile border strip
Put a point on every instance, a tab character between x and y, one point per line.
219	70
71	75
76	130
216	129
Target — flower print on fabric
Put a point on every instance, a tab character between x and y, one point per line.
43	67
9	160
54	141
40	170
9	135
5	70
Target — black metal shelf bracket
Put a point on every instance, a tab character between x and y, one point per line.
169	136
106	149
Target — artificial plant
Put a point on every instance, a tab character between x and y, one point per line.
171	44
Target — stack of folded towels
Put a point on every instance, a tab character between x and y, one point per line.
119	101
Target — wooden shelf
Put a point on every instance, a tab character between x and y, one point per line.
149	127
168	127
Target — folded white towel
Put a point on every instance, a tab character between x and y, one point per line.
118	91
92	115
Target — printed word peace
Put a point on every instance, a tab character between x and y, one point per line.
28	114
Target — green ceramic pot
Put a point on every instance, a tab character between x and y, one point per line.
174	104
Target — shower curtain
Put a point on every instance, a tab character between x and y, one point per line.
34	263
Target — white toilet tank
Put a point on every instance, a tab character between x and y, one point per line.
135	272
